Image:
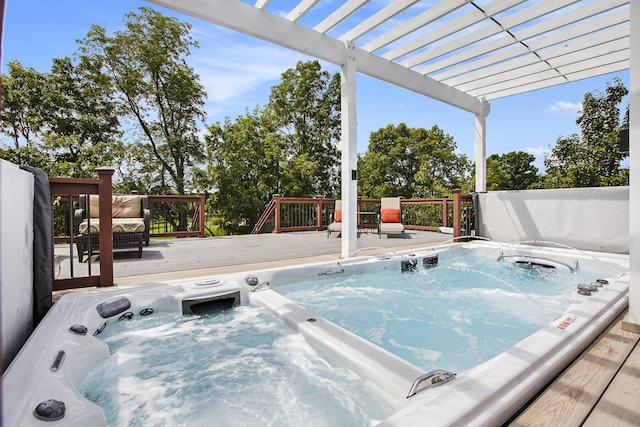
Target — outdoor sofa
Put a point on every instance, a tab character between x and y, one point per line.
130	218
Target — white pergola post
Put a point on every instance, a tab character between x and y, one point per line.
480	148
349	153
634	170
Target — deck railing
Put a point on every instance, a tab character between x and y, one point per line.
284	214
65	193
184	216
171	216
177	216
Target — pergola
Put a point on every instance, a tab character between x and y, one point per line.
461	52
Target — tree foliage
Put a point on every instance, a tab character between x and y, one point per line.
287	148
157	89
593	158
411	162
304	111
24	100
63	122
244	168
511	171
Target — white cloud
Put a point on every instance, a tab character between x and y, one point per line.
231	66
231	71
539	152
563	108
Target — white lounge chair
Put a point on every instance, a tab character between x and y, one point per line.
391	219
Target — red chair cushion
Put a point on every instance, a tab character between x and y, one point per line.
390	215
339	216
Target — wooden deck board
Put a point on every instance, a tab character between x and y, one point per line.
189	255
620	404
571	397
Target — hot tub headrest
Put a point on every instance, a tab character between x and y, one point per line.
111	308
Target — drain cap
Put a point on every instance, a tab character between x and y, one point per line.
50	410
251	280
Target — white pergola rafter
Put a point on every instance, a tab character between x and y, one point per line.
448	28
461	52
407	27
491	29
531	66
537	36
377	19
258	23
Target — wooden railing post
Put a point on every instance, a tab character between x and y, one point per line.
105	193
456	213
276	221
203	200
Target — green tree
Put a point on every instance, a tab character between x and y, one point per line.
304	110
157	89
593	158
139	170
287	148
64	122
244	169
411	162
24	94
511	171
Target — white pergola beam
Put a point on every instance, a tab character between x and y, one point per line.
534	12
390	72
611	63
247	19
581	53
449	28
572	72
513	58
377	19
581	75
529	66
532	36
342	13
261	4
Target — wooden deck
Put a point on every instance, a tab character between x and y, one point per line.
167	259
600	388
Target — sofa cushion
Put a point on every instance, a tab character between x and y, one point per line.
127	206
339	216
119	225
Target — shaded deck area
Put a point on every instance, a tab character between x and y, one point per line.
600	388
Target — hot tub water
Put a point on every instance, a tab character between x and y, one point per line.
240	367
244	367
454	316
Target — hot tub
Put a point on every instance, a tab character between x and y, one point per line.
57	358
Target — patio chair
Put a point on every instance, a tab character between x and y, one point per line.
335	221
391	219
130	224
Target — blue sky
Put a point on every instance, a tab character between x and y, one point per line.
239	71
